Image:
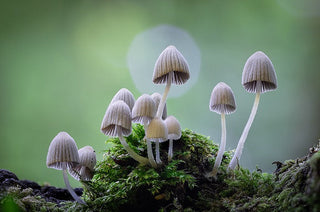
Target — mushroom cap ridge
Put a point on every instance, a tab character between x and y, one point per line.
174	128
124	95
157	130
259	67
62	151
222	99
171	60
144	109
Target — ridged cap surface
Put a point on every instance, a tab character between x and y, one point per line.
174	128
62	151
171	60
117	114
157	130
222	99
259	68
124	95
144	109
157	98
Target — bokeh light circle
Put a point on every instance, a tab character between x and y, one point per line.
146	48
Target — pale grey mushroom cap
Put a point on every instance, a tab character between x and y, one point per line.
85	169
157	98
259	68
124	95
117	114
62	152
174	128
222	99
171	60
157	130
144	109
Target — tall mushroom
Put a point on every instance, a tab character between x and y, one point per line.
143	112
63	154
117	123
157	132
258	76
85	169
222	102
174	133
171	67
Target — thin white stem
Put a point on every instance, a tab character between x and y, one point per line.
132	153
170	151
221	148
237	154
150	154
158	160
164	96
71	191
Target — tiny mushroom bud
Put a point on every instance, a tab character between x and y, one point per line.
174	133
84	171
124	95
143	112
117	122
222	102
170	67
157	132
63	154
157	98
258	76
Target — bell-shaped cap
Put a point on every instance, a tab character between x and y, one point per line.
62	152
117	117
171	60
124	95
259	68
157	98
174	128
85	169
157	130
222	99
144	109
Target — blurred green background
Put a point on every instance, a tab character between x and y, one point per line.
61	62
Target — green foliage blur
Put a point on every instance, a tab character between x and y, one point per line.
61	62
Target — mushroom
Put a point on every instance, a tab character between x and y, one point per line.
258	76
63	154
157	98
170	67
85	169
117	123
124	95
222	102
143	112
174	133
157	132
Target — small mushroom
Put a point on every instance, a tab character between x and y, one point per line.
124	95
157	98
222	102
157	132
143	112
117	123
171	67
258	76
85	169
63	154
174	133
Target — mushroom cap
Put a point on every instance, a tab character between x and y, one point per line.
157	98
144	109
118	114
157	130
85	169
171	60
124	95
259	68
62	152
222	99
174	128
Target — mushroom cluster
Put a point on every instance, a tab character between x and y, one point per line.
64	155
